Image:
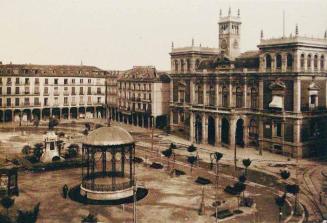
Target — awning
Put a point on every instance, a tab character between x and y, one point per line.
276	102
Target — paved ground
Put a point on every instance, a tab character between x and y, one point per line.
270	163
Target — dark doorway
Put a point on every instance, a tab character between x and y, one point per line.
198	129
224	131
211	131
239	133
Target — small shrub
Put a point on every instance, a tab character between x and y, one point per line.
31	159
26	149
28	216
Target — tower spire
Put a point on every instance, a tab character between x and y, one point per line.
229	11
220	13
325	34
296	30
238	12
261	34
192	41
172	45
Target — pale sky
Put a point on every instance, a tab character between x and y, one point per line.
117	34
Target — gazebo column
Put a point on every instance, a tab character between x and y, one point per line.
113	167
131	164
123	162
104	162
93	168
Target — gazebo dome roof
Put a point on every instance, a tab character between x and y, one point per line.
109	136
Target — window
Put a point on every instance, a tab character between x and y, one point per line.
26	101
176	65
278	61
73	91
17	80
27	90
315	62
8	90
212	95
0	90
66	100
8	80
254	98
65	81
309	61
56	101
268	61
0	102
89	90
302	61
253	129
45	91
36	90
89	81
45	102
81	81
17	90
27	81
8	102
46	81
239	98
99	100
73	81
36	101
81	91
37	81
56	81
225	97
199	93
277	129
182	65
98	90
16	101
0	79
52	145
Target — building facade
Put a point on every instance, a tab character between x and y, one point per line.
142	97
273	98
112	92
30	92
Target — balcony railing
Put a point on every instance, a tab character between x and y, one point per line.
56	93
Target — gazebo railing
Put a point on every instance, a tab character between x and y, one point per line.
107	187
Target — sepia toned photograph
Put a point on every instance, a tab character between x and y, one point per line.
163	111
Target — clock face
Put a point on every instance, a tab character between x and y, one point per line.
223	44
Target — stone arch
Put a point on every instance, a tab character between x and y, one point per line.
1	116
46	113
302	61
65	113
239	137
26	115
309	59
17	115
56	113
73	112
36	113
239	97
198	128
8	115
211	130
278	61
268	61
225	131
315	61
253	132
197	63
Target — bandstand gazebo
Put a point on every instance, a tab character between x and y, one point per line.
110	168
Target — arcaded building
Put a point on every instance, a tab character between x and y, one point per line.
142	97
30	92
272	98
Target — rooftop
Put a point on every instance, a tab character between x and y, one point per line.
294	40
109	136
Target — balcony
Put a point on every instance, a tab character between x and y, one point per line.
81	103
37	104
56	93
27	92
46	93
89	103
66	93
73	103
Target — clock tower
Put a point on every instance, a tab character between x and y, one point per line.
229	34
